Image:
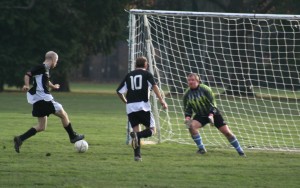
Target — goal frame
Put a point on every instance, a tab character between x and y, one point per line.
149	45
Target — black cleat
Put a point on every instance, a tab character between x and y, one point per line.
137	158
18	142
201	151
135	140
77	137
242	154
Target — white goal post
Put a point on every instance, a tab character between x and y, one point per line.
251	61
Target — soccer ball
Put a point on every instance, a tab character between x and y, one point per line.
81	146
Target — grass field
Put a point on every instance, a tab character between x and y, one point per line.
109	162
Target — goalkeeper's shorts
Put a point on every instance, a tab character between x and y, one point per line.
218	120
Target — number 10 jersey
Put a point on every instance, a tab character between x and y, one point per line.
137	85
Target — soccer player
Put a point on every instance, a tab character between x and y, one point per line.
43	102
199	99
137	85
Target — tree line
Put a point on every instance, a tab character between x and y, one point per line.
73	29
76	29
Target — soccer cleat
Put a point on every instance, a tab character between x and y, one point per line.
135	140
138	158
76	137
201	151
18	142
242	154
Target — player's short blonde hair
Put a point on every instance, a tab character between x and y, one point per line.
195	76
51	55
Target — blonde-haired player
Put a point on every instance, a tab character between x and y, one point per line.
43	102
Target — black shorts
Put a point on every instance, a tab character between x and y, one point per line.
219	121
43	108
141	117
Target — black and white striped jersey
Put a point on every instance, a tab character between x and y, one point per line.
40	88
137	85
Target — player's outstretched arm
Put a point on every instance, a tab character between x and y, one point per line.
53	86
211	119
26	83
211	97
122	97
187	111
157	93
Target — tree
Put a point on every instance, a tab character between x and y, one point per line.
74	29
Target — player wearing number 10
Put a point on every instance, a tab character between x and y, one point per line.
137	85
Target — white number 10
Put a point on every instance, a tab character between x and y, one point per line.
136	82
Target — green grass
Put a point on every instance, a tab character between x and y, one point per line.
94	87
258	123
109	162
82	87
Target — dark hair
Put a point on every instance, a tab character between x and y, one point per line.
140	62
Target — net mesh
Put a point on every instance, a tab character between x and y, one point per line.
252	65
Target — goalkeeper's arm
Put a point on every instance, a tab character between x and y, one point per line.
212	100
188	111
211	119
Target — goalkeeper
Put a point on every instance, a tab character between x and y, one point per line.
200	99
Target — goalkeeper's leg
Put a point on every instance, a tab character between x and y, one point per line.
194	127
223	128
232	139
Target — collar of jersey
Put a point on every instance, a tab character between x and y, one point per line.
195	88
47	66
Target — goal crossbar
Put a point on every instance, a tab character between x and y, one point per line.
214	14
251	62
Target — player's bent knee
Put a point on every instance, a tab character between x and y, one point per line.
40	128
62	114
193	127
193	130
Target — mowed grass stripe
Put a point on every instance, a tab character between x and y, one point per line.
109	162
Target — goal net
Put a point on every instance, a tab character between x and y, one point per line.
251	62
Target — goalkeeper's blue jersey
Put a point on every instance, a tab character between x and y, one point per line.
200	101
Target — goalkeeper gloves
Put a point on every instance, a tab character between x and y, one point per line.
188	123
211	119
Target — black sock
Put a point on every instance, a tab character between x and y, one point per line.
70	131
31	132
137	151
145	133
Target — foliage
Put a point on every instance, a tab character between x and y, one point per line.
74	29
242	6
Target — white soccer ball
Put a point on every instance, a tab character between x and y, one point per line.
81	146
